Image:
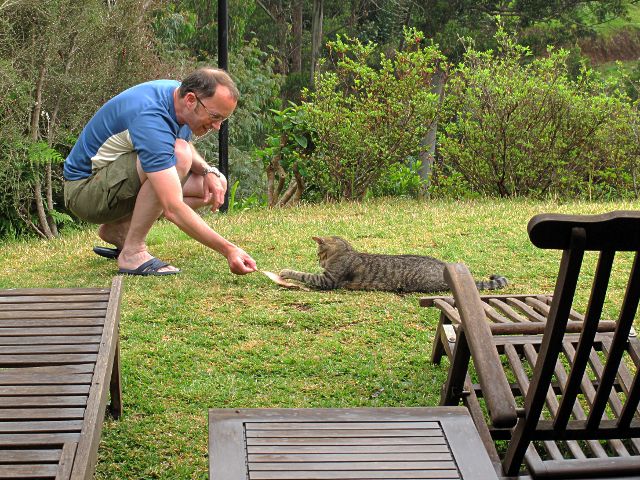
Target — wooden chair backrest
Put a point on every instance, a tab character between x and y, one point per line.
606	234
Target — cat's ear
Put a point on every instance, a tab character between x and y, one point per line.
319	240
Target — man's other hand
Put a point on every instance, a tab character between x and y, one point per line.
214	188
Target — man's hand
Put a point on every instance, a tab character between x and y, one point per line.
240	262
214	188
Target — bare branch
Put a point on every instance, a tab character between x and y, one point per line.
268	12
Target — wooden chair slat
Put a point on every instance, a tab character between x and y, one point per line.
36	439
624	376
18	378
46	359
54	331
51	295
594	468
437	445
341	433
50	340
527	312
345	441
52	370
630	408
50	401
49	315
542	305
589	392
492	313
614	401
51	321
552	405
378	426
345	466
40	390
625	322
356	475
30	456
53	306
592	318
38	349
41	426
446	307
28	471
61	413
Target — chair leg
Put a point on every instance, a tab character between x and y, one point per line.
453	388
438	341
115	388
470	400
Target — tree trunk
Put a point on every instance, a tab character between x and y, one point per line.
296	52
51	135
37	186
316	36
427	154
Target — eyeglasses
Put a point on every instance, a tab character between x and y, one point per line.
216	117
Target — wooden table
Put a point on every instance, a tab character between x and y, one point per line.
368	443
58	358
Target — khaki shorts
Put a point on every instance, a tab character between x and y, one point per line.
108	195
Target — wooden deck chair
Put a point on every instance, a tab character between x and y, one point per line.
59	363
556	404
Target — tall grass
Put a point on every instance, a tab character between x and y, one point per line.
206	338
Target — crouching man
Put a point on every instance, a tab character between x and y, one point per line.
134	162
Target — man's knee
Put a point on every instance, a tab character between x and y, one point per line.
184	157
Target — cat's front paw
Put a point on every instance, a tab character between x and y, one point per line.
287	273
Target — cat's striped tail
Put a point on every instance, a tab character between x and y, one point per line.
495	282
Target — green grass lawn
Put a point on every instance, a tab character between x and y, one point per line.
206	338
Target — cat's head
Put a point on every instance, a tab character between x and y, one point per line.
330	246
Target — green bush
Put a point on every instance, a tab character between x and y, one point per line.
517	126
400	180
368	114
285	155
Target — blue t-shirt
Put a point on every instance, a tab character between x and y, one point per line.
141	119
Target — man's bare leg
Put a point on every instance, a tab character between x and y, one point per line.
134	250
116	232
146	211
192	192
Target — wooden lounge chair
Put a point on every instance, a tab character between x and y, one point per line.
554	394
58	364
347	443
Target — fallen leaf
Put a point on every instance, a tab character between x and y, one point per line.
282	282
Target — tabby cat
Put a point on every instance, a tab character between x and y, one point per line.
344	267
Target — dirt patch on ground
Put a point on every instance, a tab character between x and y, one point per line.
623	45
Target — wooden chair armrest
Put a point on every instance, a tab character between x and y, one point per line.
496	390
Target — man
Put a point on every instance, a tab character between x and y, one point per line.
133	162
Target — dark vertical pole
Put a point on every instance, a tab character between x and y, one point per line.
223	62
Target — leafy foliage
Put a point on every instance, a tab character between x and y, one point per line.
400	180
252	70
517	128
368	114
48	52
286	155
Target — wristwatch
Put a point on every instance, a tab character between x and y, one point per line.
210	169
